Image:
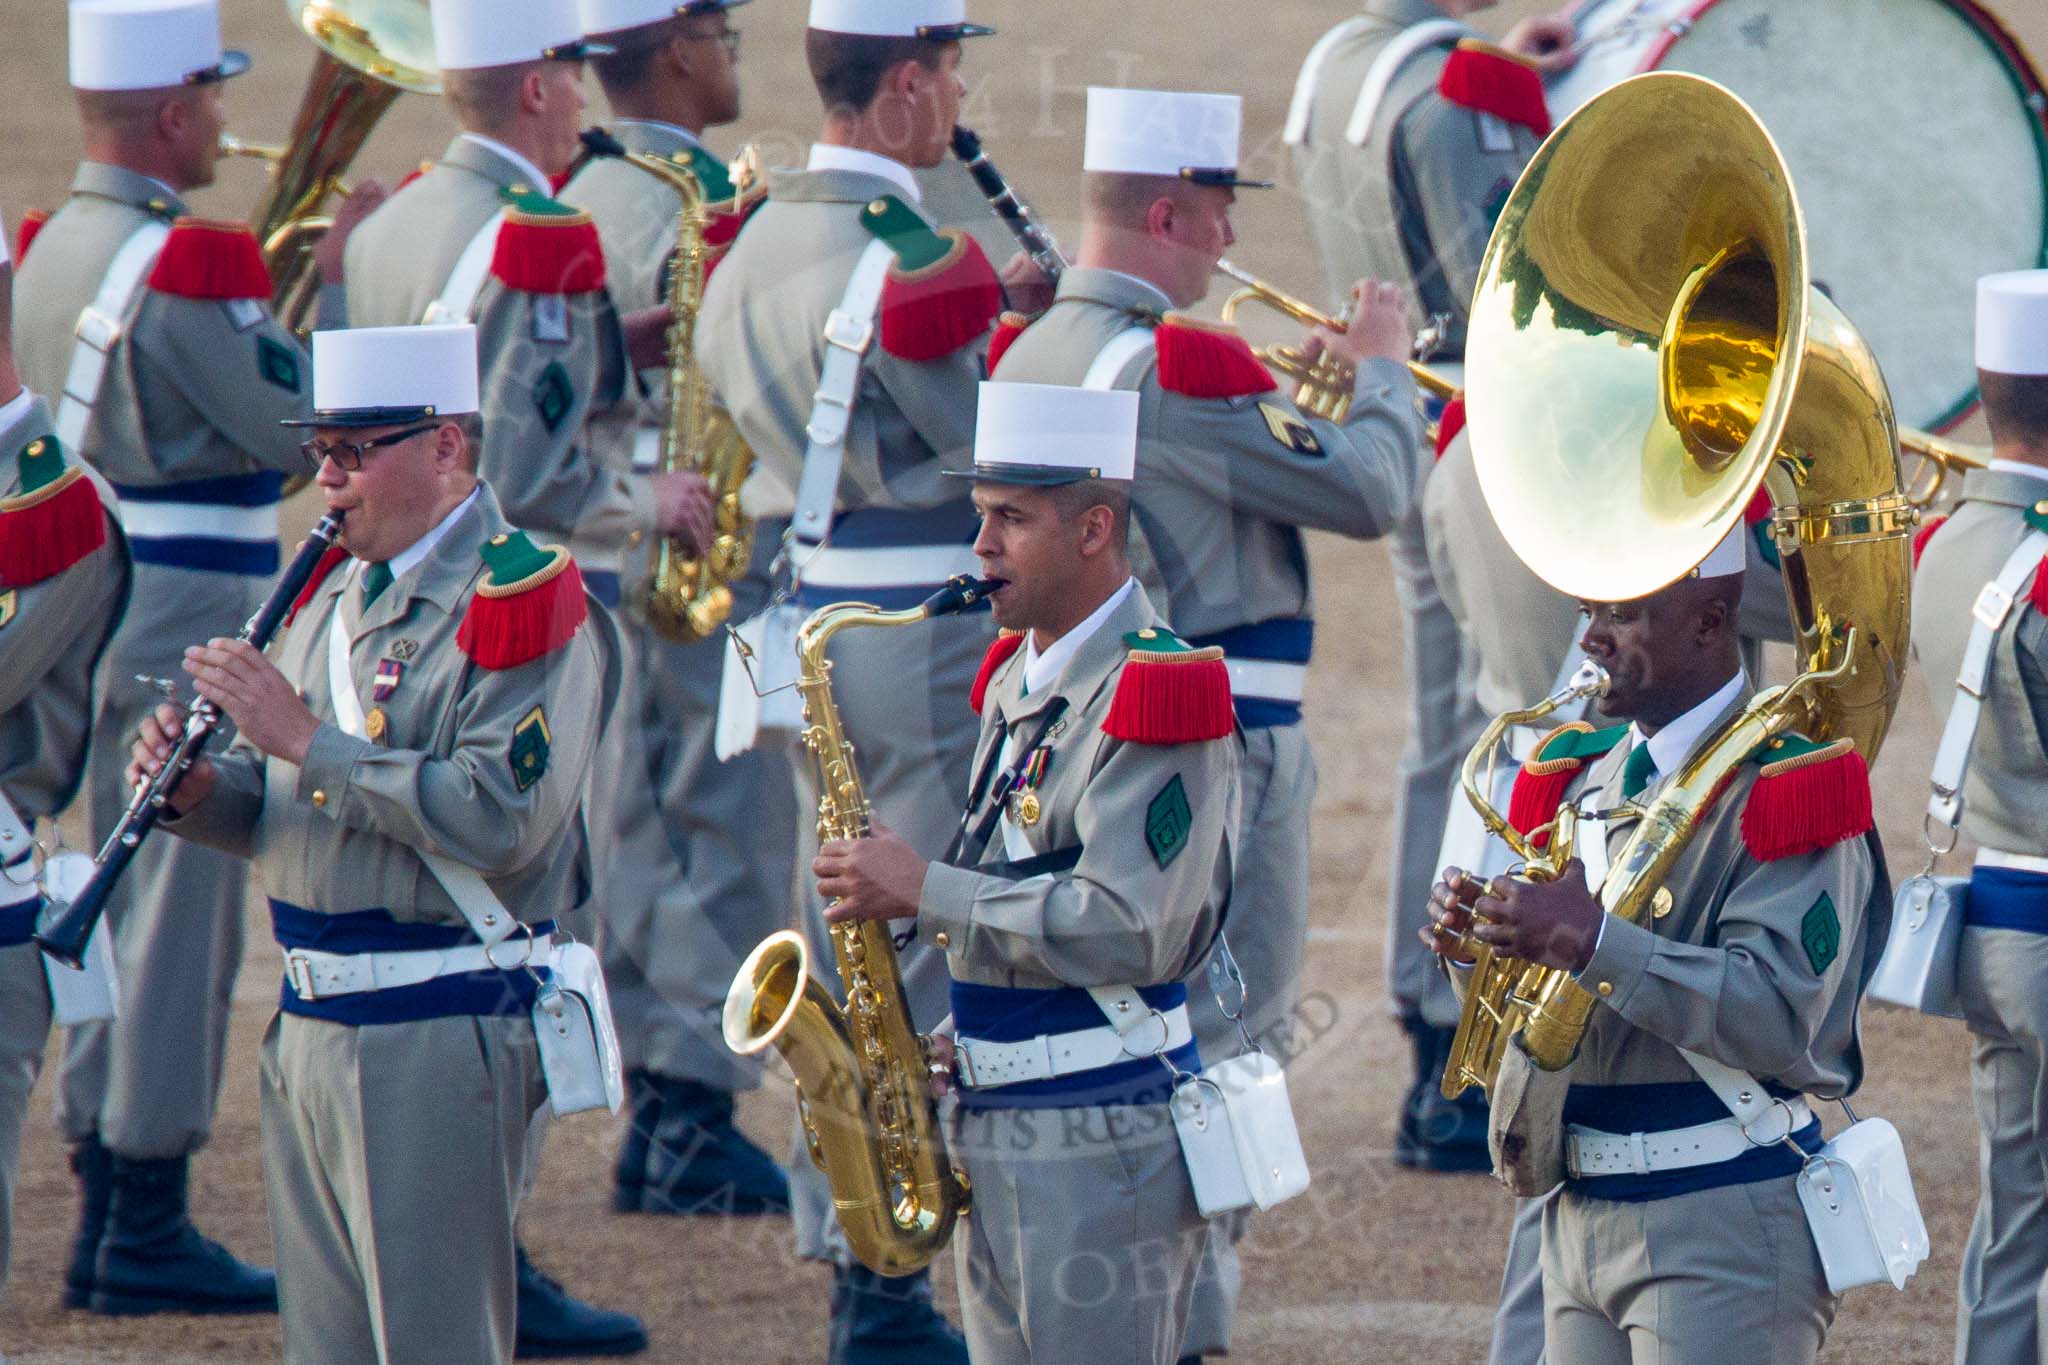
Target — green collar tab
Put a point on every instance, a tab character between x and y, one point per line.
913	240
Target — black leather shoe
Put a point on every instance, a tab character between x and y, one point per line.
554	1325
882	1320
698	1162
151	1258
629	1176
93	1165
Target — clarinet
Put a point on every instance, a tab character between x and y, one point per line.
64	928
1038	244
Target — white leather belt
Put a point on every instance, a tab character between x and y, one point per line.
163	520
883	566
2017	862
15	893
1590	1152
982	1065
318	976
1266	679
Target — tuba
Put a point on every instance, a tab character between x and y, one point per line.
688	597
1646	350
862	1070
370	51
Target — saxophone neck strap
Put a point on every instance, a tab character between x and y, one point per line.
973	837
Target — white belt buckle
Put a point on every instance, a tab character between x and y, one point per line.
1638	1154
1993	605
832	415
963	1065
299	972
849	333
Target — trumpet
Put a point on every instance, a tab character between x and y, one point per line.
1322	385
1940	460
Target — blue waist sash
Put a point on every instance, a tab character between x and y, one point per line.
1003	1014
375	931
1284	640
18	921
252	556
889	528
2007	898
1661	1107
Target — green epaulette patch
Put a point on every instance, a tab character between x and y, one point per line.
711	173
1157	640
513	557
2037	516
1580	744
528	200
1820	933
1168	821
276	363
1780	747
916	243
41	463
553	395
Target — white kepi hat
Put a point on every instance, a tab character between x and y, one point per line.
381	376
944	20
148	45
2012	322
1728	558
1165	132
615	16
1048	434
476	33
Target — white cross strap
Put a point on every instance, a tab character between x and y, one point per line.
99	330
1994	604
1379	78
466	281
849	331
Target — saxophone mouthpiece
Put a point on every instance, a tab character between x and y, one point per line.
1590	681
961	592
598	142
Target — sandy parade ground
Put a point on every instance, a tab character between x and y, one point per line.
1374	1263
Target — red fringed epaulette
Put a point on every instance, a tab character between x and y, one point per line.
206	258
1541	784
999	651
1449	424
333	556
1009	327
934	310
1923	535
1491	80
31	223
2037	520
548	253
724	229
1207	360
1170	692
53	522
1807	797
531	603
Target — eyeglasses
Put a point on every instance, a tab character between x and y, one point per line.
348	455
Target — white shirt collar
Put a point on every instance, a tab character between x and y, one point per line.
411	557
14	409
520	161
826	156
1043	670
676	128
1140	281
2032	471
1670	745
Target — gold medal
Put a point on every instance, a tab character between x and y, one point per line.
1027	808
373	724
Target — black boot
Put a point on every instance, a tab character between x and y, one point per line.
1421	1058
1450	1135
883	1320
152	1260
629	1177
698	1162
93	1165
553	1324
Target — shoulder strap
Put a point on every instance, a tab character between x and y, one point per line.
1744	1094
466	281
99	329
1113	359
849	331
1302	107
1994	604
486	915
1379	78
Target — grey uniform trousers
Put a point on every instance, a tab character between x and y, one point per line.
1518	1321
24	1030
903	698
2002	1298
700	868
1695	1279
1084	1238
1268	932
394	1158
148	1081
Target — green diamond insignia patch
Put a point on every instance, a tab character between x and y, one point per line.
1168	821
1820	933
553	394
277	364
530	741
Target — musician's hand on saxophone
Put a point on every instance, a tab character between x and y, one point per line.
683	508
155	741
267	710
1027	288
365	198
1550	923
1450	914
646	332
1378	328
878	877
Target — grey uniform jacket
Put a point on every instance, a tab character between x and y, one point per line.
2005	800
548	368
766	307
1144	902
194	389
1225	484
52	634
343	832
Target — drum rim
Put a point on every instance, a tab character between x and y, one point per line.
2026	75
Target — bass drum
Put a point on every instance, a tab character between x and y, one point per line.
1916	130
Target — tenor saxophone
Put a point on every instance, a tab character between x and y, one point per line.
862	1069
687	597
